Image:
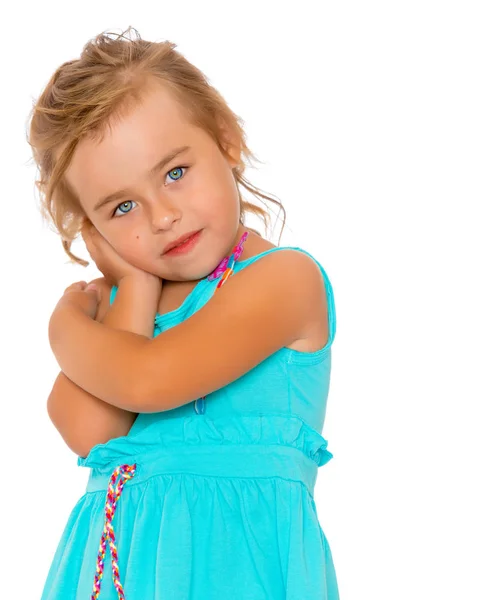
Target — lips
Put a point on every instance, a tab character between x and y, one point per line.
179	241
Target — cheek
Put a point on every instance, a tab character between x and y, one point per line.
222	208
131	248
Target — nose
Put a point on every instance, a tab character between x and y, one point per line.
163	214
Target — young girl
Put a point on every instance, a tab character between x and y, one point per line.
197	406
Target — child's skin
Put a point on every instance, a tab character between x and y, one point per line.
82	419
194	191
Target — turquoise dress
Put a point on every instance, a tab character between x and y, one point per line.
221	505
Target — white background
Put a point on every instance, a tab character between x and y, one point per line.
366	117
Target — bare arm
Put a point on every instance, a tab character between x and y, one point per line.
82	419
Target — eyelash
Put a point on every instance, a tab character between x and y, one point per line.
183	167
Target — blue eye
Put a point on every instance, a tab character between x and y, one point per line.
178	173
122	205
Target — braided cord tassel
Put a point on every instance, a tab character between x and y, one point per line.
126	472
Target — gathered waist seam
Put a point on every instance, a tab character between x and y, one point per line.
134	483
229	461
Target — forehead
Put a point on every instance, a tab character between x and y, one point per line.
131	144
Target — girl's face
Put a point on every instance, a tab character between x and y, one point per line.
194	190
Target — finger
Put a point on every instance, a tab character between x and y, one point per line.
75	286
87	230
91	241
93	236
79	284
85	235
93	289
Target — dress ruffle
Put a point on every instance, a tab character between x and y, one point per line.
267	429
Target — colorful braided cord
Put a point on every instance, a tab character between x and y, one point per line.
126	472
226	265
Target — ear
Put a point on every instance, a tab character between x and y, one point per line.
231	144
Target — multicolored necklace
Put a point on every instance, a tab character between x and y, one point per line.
225	267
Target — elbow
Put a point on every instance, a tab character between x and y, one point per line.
75	442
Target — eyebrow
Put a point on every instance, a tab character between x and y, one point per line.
158	167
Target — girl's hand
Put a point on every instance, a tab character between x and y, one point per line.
108	261
77	295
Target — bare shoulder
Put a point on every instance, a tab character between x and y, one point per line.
311	294
316	326
105	291
305	282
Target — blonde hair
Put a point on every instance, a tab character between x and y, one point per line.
84	96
